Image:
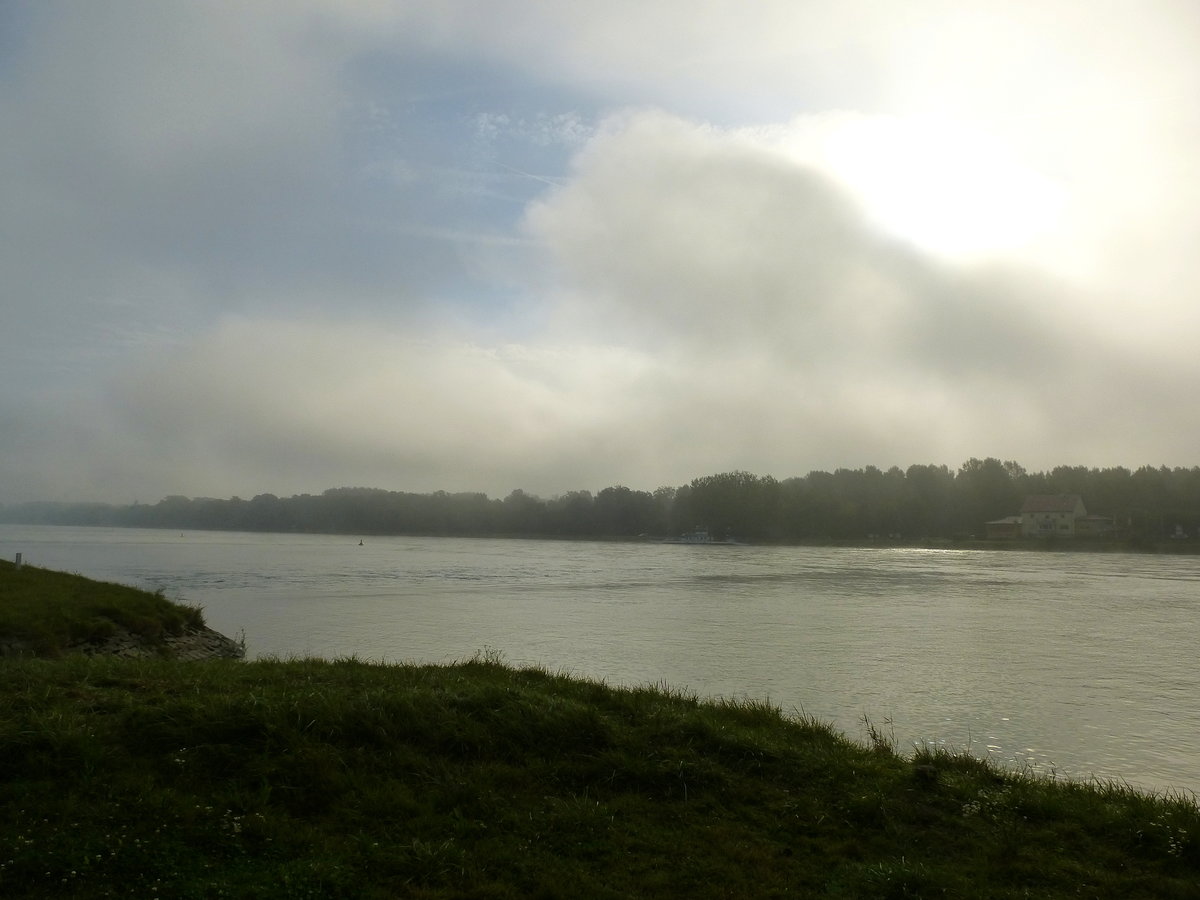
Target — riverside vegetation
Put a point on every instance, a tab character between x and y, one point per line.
47	613
309	778
923	504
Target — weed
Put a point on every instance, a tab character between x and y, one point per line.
880	741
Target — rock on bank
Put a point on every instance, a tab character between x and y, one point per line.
193	644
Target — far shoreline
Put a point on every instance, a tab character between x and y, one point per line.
1139	546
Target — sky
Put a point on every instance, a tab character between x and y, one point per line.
486	245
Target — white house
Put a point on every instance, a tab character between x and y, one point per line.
1048	515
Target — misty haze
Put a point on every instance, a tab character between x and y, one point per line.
835	356
484	247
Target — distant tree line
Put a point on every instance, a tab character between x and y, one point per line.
918	503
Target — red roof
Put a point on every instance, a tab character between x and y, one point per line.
1051	503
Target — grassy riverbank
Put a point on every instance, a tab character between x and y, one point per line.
308	778
49	611
343	779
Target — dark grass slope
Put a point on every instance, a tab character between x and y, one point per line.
46	611
345	779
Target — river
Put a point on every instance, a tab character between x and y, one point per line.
1073	664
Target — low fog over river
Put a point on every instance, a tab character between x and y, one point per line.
1072	663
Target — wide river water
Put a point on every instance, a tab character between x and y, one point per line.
1074	664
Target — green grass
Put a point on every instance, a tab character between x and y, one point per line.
307	778
343	779
49	610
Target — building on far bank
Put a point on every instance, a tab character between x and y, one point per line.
1007	528
1051	515
1095	526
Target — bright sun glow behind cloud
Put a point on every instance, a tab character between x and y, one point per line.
446	244
945	189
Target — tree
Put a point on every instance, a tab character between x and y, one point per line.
929	507
625	512
522	513
736	504
985	490
572	513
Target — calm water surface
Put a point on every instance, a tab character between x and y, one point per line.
1081	664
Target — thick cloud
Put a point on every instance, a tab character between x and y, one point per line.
714	305
761	279
289	245
677	237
